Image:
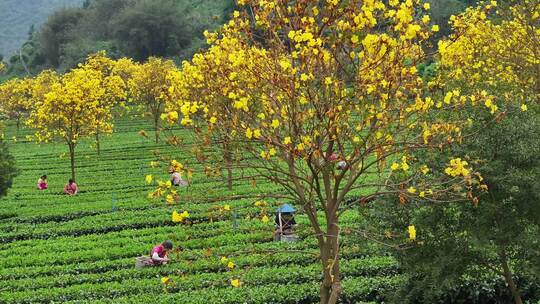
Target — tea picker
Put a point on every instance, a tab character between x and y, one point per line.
158	256
285	224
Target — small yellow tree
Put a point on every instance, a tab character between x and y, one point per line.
210	80
15	99
114	87
149	87
70	110
325	99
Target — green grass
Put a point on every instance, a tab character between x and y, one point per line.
55	248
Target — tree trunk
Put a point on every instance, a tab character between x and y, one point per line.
98	148
331	284
156	127
72	159
508	278
229	176
18	124
228	161
227	157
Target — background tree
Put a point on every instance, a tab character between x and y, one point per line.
8	170
149	87
7	163
71	108
171	28
323	82
497	50
493	50
152	28
497	238
15	99
114	93
56	32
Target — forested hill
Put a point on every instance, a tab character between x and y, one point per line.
123	28
17	16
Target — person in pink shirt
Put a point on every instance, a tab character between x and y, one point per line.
159	253
158	256
71	187
42	183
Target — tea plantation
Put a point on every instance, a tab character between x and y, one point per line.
81	249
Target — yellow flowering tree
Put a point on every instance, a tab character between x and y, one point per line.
114	86
149	87
325	98
125	68
71	107
494	52
496	48
15	99
211	81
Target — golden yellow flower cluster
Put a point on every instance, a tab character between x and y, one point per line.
72	106
296	81
76	104
496	48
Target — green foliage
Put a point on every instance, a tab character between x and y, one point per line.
7	168
56	248
461	248
17	17
56	32
152	28
442	10
136	29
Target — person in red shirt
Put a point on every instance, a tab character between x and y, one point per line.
71	187
159	253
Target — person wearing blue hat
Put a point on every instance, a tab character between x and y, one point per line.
285	221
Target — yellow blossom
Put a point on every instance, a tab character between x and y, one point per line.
412	233
235	283
457	167
328	80
249	133
176	217
256	133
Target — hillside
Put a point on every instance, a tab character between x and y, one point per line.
82	248
16	18
123	28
